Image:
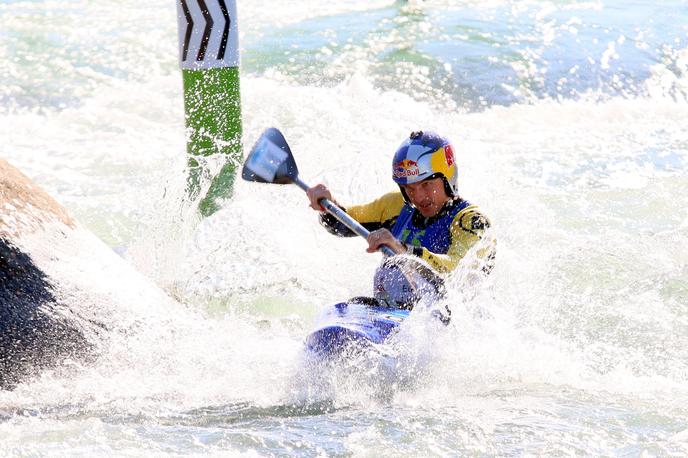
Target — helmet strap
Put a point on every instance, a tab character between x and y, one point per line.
447	187
405	196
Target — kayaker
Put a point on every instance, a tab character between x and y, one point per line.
427	217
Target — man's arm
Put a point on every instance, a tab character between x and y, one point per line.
378	214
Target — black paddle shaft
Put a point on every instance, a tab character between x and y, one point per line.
342	216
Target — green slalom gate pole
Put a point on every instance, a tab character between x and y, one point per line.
209	59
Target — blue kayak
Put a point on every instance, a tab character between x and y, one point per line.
353	324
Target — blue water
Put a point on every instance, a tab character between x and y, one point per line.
569	122
484	56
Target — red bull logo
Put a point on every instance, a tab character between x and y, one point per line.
406	168
449	155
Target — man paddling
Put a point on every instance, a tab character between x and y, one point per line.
427	218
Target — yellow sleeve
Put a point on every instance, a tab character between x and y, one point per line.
378	211
467	229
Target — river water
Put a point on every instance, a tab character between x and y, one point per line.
569	123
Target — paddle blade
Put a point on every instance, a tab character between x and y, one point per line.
270	160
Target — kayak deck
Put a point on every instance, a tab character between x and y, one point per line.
348	324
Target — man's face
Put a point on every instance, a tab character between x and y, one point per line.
428	196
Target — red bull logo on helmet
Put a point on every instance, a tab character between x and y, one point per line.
449	155
406	168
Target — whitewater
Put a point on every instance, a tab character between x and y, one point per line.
568	120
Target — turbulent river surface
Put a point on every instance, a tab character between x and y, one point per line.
570	124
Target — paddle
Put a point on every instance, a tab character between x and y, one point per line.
271	161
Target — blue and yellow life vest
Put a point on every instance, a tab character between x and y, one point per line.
435	235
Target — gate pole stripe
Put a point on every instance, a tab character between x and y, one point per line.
225	32
189	29
206	32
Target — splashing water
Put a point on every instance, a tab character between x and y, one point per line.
568	121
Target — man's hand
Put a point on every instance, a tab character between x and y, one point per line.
384	237
316	193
